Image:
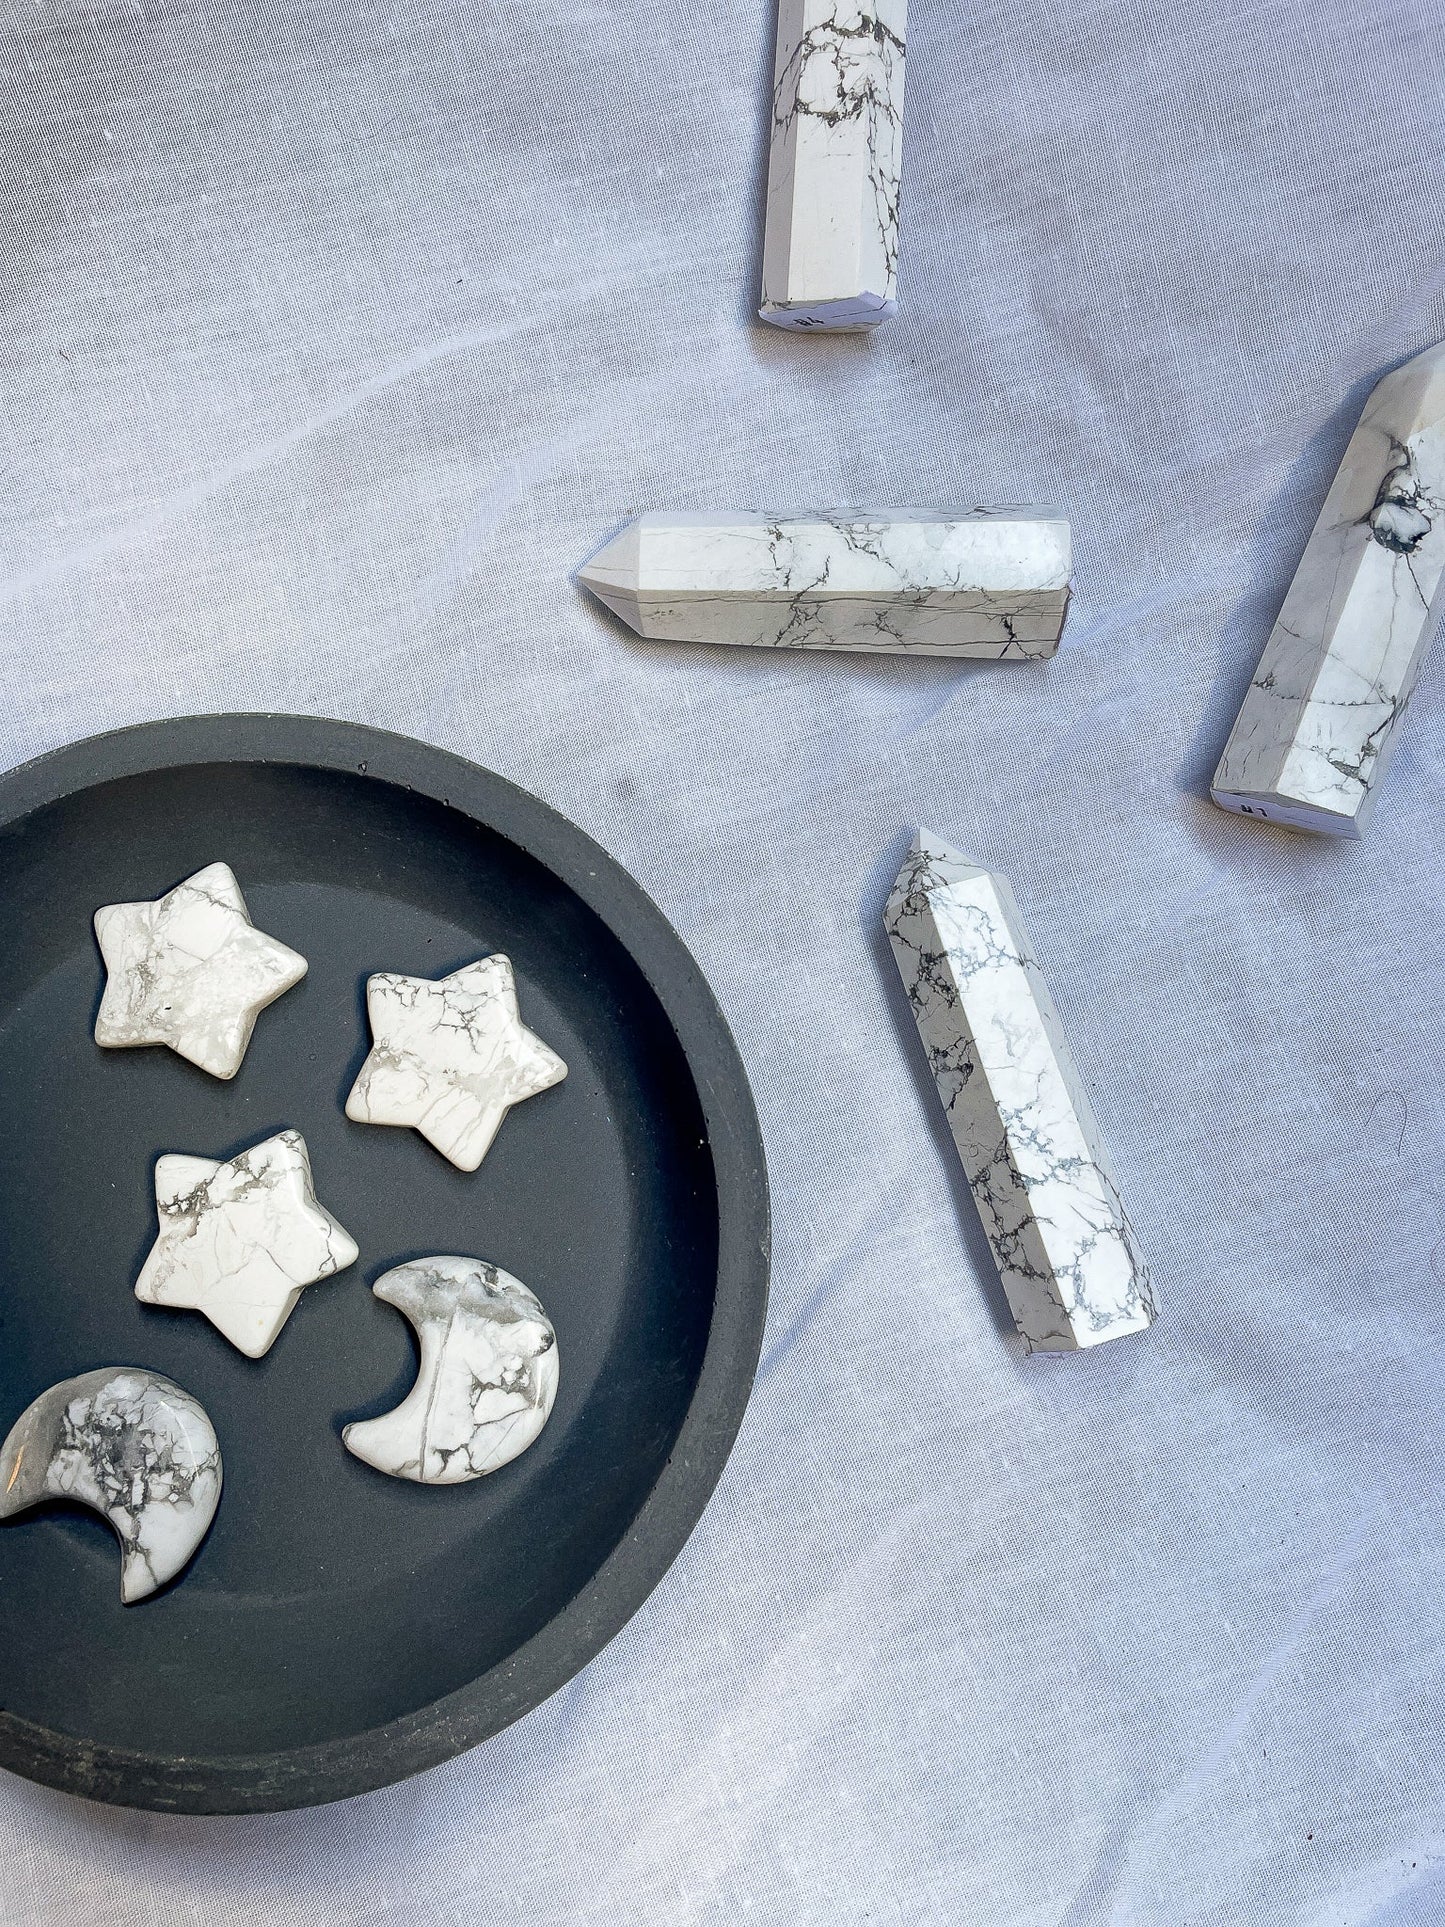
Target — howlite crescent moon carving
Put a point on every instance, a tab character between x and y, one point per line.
487	1380
133	1447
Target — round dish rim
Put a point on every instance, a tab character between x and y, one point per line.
360	1763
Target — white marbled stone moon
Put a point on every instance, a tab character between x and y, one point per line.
133	1447
450	1056
241	1239
190	970
487	1380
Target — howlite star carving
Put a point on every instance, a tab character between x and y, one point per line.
190	970
450	1056
241	1240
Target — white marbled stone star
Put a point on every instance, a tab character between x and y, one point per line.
190	970
450	1056
241	1240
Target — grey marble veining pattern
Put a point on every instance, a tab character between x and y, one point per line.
1022	1123
133	1447
190	970
241	1239
487	1378
450	1056
1314	732
990	583
830	246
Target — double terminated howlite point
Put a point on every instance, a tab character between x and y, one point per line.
1310	743
830	247
1018	1113
981	582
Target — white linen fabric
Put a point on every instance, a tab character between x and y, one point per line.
337	333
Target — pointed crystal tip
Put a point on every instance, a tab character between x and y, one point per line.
930	867
931	861
613	574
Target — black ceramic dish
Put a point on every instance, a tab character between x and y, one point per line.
339	1629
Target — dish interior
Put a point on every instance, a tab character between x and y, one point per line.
329	1599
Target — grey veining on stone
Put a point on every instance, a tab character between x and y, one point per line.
487	1379
1312	737
1017	1109
830	245
241	1239
450	1056
133	1447
991	583
190	970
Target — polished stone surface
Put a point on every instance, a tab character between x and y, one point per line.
450	1056
990	583
487	1379
131	1446
241	1239
1310	743
830	245
190	970
1016	1106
